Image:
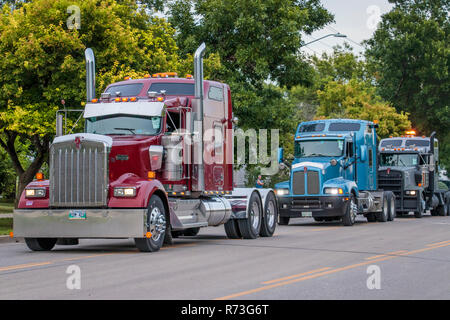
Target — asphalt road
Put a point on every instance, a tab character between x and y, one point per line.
305	260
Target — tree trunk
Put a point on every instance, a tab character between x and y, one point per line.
25	175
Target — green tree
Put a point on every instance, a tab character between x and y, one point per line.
357	100
410	52
43	62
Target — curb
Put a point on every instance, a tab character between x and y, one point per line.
8	239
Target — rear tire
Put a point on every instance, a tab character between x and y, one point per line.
419	213
391	204
232	229
40	244
349	217
283	221
442	210
384	214
270	215
157	225
318	219
251	226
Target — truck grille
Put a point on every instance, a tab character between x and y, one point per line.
298	182
313	182
391	181
78	176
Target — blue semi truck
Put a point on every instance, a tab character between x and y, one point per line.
334	174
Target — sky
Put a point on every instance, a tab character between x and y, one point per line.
355	18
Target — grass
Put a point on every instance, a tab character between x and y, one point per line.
6	207
6	225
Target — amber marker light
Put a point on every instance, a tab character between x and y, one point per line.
148	235
39	176
117	100
124	99
133	99
160	99
11	234
151	174
94	100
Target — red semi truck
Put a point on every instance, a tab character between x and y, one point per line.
154	162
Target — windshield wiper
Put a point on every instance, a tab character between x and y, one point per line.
128	129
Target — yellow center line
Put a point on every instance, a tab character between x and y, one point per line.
23	266
317	275
296	275
387	254
325	228
437	243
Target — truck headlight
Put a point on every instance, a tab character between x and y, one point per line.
282	192
124	192
333	191
411	192
35	193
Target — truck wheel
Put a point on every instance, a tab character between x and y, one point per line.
40	244
442	210
232	229
191	232
391	204
419	213
349	217
157	225
283	221
269	221
371	217
251	226
383	215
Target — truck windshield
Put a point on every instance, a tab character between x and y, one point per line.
319	148
124	125
399	160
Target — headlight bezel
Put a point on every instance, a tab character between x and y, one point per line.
35	193
281	192
334	191
125	192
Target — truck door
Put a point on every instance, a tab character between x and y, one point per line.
349	173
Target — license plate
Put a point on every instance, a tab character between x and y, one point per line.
77	215
307	214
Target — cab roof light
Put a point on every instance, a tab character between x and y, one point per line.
189	76
160	99
94	100
411	132
133	99
125	99
118	99
39	176
127	78
147	76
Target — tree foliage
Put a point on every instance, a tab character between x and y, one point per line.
43	62
410	52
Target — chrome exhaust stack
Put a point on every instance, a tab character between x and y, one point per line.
199	184
90	74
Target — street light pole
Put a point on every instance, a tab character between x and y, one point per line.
336	35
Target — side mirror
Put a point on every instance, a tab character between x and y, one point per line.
363	153
156	155
280	155
432	165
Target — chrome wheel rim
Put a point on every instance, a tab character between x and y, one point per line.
270	213
353	210
157	223
254	213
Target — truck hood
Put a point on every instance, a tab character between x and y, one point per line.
321	164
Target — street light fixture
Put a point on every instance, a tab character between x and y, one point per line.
336	35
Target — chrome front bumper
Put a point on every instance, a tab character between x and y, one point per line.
99	223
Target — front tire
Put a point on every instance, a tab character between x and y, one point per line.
269	221
251	226
40	244
391	204
349	217
157	226
419	213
